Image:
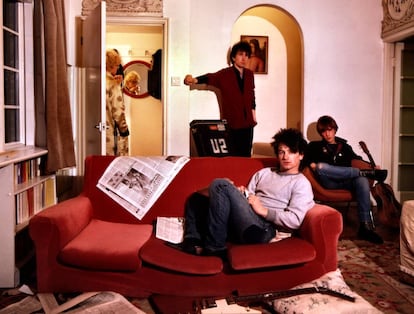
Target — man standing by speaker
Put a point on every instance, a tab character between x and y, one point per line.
238	105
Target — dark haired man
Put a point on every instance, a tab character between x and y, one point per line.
238	105
330	159
275	199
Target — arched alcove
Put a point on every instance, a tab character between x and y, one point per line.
292	35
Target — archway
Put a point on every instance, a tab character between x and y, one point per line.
292	35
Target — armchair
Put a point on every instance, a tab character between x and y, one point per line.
331	196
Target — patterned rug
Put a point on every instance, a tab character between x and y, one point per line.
372	271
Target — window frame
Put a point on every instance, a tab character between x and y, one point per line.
26	79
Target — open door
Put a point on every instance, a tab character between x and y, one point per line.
92	114
141	43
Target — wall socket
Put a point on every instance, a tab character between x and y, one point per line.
175	81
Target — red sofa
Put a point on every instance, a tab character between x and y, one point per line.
90	243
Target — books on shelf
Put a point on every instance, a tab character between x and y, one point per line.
32	200
26	170
24	191
33	191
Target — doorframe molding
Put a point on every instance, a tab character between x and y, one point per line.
127	8
390	124
398	20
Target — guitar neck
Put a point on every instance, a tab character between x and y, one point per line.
371	160
232	304
289	293
366	151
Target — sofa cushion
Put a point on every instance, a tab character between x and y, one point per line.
290	251
106	245
158	253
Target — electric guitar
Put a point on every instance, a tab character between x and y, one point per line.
242	304
389	209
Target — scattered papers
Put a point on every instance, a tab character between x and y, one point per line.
27	305
89	302
170	229
26	289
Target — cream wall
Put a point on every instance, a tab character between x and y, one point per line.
343	64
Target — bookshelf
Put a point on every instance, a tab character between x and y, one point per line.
24	191
406	131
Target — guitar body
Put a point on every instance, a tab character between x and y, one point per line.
389	209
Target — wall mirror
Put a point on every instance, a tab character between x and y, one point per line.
132	87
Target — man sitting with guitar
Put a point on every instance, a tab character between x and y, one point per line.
330	159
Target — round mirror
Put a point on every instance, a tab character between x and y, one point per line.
136	78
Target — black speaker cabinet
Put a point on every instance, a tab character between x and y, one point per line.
209	138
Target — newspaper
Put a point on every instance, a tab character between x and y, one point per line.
26	306
89	302
137	182
170	229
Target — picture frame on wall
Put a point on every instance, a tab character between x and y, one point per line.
259	58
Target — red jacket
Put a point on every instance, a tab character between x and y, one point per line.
235	106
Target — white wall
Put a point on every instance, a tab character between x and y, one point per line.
271	88
343	54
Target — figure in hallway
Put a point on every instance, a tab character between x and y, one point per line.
117	128
238	104
131	83
119	75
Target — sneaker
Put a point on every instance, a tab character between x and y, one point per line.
222	253
189	245
367	234
375	174
192	246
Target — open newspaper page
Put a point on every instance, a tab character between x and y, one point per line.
170	229
137	182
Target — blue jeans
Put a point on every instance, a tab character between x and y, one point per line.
348	178
229	217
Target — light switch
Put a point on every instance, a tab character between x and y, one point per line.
175	81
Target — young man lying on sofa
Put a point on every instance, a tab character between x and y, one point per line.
276	199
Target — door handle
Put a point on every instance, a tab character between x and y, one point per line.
101	126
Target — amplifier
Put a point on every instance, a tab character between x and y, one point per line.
209	138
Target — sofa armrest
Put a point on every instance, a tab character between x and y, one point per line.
322	227
54	227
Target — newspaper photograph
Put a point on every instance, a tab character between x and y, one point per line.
137	182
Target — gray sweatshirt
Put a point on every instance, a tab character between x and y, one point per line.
286	196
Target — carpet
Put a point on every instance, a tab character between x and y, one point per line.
373	272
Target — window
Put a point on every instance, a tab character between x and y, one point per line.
13	87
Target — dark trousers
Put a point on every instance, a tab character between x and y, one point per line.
240	142
225	216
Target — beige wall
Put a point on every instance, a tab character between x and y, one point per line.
342	65
145	126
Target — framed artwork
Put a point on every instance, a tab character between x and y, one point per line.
258	58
